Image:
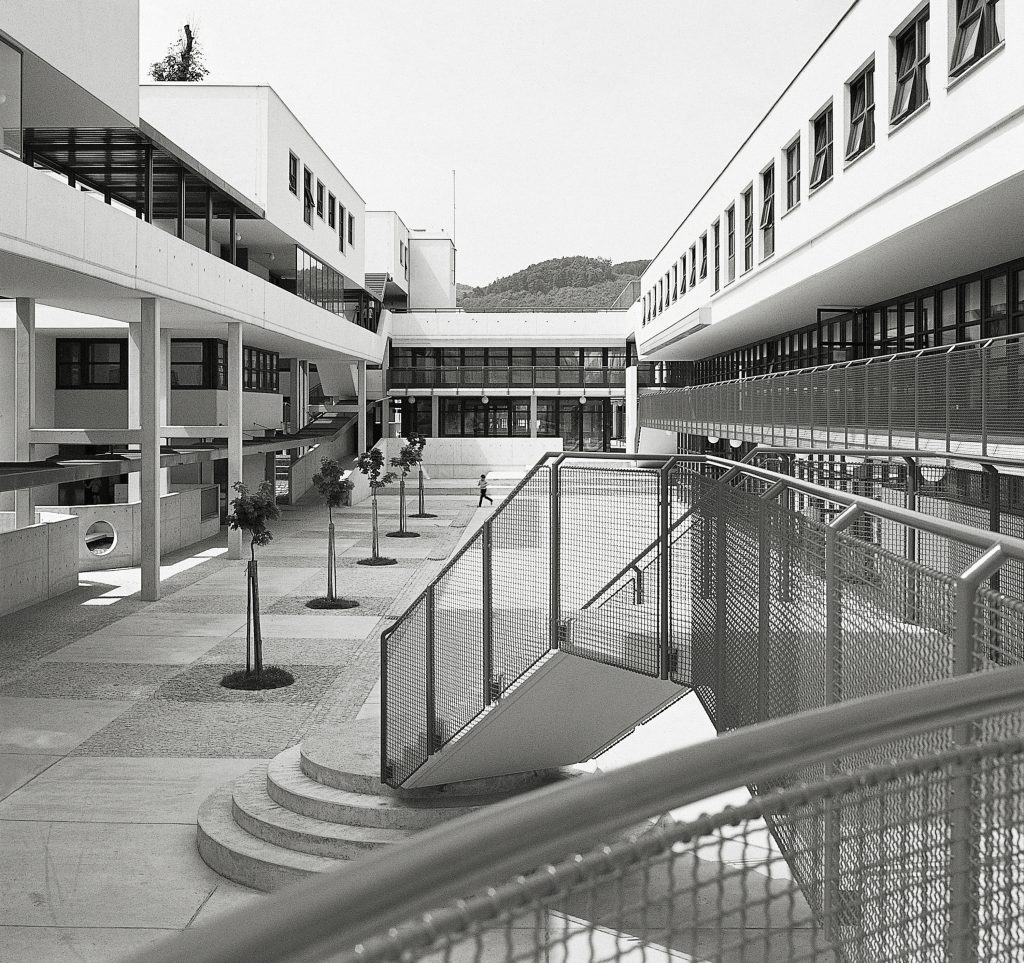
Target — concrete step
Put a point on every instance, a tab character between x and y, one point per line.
350	761
255	812
290	787
229	850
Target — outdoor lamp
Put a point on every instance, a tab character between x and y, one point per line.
735	442
583	399
714	439
485	399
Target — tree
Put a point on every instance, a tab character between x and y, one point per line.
332	489
409	456
421	443
184	60
250	513
371	464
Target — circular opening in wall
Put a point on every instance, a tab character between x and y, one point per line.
100	538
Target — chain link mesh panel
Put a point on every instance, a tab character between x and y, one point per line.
405	694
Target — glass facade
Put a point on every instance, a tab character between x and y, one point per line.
322	285
10	100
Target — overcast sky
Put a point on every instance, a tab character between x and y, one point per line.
575	126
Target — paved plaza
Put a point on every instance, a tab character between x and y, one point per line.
114	729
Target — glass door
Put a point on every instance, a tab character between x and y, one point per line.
569	423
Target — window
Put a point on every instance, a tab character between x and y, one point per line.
793	175
92	363
977	32
352	230
730	244
293	173
822	169
308	203
768	212
693	266
911	67
716	235
259	370
675	282
682	275
661	295
341	228
320	199
10	104
748	229
332	203
703	256
199	364
862	113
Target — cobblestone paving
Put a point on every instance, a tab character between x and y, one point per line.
111	698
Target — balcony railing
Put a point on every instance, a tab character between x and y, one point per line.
960	398
516	376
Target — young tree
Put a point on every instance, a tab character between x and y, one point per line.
332	489
409	456
184	60
421	443
250	513
371	464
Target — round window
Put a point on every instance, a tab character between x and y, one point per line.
100	538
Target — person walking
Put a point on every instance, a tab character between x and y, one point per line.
482	485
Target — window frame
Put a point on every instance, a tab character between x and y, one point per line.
321	193
332	204
693	265
986	19
308	200
293	173
351	229
85	364
704	256
914	78
730	244
793	172
766	224
826	149
861	124
748	229
716	236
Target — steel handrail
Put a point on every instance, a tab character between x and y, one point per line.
916	453
365	899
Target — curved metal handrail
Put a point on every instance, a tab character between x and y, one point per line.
367	898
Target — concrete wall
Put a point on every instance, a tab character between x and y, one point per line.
430	272
181	525
530	329
37	562
469	457
385	235
341	447
910	189
94	44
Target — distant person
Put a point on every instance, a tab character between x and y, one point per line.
482	485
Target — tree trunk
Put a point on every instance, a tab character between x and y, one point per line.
401	504
248	618
423	509
332	574
257	634
373	520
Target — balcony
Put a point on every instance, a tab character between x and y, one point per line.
506	377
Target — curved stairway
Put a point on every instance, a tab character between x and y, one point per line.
321	803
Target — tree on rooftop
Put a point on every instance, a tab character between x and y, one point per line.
184	60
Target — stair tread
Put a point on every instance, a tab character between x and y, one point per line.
249	792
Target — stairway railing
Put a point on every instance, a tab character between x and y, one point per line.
886	861
779	598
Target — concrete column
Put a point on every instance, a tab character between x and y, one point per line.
134	399
151	386
533	416
361	407
435	416
303	413
165	397
293	382
234	425
632	412
25	399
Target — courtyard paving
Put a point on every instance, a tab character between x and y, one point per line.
114	729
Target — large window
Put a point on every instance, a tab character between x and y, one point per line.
199	364
259	370
730	244
92	363
308	201
793	175
472	418
822	169
768	212
977	32
10	100
911	69
748	228
862	113
293	173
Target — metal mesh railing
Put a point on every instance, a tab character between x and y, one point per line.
957	398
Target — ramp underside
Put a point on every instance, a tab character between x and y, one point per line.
562	713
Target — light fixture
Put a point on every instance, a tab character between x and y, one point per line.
735	442
485	399
412	399
713	439
583	399
238	237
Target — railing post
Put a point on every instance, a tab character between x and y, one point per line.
948	387
984	398
721	580
964	841
430	708
888	391
385	763
664	572
764	600
554	550
911	533
917	401
487	602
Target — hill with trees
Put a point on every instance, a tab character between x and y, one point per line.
561	282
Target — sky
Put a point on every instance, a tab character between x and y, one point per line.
574	126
